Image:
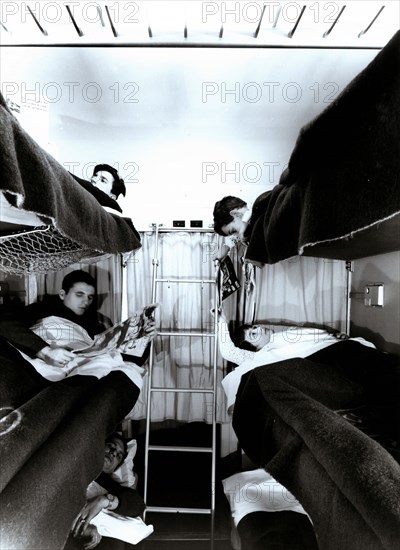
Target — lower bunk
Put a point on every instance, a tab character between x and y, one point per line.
327	429
265	515
52	438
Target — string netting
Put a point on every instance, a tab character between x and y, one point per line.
39	250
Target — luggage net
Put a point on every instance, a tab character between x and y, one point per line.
39	250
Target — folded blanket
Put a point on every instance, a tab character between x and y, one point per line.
34	181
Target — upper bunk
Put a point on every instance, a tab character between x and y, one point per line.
339	197
48	218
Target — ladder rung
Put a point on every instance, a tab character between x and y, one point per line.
180	390
177	333
202	281
183	538
169	510
180	448
162	229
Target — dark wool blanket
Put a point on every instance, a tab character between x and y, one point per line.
51	447
32	180
290	419
344	172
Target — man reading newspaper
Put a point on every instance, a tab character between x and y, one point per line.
130	336
70	323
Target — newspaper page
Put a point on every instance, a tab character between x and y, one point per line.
127	336
137	345
106	341
229	283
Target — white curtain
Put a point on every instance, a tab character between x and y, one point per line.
303	290
179	361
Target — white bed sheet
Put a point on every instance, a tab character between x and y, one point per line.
293	342
11	214
257	491
57	331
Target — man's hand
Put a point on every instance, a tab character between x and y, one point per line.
341	335
149	329
92	537
88	512
220	314
58	357
221	253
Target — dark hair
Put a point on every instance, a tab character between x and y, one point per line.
222	212
239	339
118	187
116	435
77	276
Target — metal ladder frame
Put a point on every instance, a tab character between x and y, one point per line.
213	390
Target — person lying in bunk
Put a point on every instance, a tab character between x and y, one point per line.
106	178
105	185
43	333
270	232
257	345
104	495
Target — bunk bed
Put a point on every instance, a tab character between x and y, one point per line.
51	433
51	447
265	514
49	218
340	195
326	426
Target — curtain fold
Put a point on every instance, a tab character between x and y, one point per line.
179	361
303	289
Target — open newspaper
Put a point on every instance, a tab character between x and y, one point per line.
128	336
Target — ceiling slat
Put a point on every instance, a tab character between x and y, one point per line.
291	33
189	23
78	30
328	32
372	22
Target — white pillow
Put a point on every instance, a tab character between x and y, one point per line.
124	474
257	491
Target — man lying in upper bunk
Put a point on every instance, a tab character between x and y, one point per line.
106	178
270	231
259	344
57	336
106	185
231	216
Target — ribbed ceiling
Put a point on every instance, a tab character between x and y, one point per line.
355	23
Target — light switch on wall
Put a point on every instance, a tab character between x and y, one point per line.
373	295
